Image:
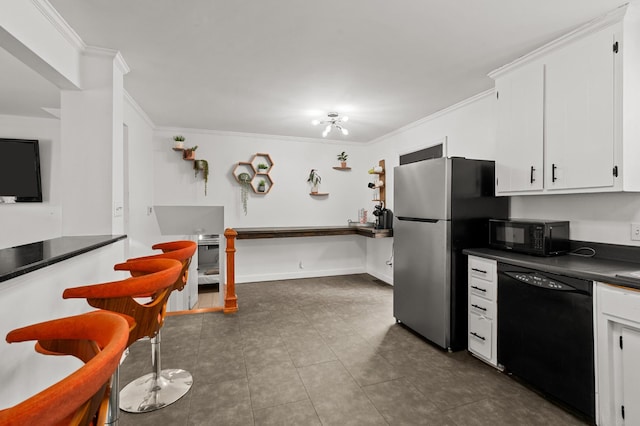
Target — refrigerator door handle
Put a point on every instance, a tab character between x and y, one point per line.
417	219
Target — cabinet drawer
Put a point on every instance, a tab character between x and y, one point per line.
484	269
480	338
482	288
481	307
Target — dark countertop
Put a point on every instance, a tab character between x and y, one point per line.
311	231
589	268
19	260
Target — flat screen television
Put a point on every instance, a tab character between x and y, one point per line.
20	170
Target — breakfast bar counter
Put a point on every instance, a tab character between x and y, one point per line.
311	231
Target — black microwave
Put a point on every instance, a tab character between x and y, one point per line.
537	237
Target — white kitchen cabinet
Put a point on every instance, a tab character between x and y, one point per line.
519	157
559	114
617	353
482	309
579	113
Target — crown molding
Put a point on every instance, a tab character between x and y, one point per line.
590	27
435	115
283	138
108	53
58	22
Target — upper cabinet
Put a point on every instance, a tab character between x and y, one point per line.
519	162
580	113
559	115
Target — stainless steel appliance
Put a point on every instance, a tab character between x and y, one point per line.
208	259
545	334
537	237
442	206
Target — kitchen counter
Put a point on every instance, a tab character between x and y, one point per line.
590	268
19	260
311	231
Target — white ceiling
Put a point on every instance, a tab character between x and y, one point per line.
270	66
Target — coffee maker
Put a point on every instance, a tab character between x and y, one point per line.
384	217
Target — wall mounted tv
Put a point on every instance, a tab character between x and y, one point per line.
20	170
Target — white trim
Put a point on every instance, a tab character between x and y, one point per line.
442	140
58	22
590	27
255	135
435	115
129	99
249	278
387	279
108	53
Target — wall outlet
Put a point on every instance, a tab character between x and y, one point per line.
635	231
300	265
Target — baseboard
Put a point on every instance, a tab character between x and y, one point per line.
382	277
298	274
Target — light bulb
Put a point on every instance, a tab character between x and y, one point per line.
344	119
345	131
324	134
328	129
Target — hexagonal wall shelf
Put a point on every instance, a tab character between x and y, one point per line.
256	173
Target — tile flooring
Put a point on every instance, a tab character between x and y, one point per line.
326	351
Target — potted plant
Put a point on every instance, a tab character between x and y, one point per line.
315	179
261	185
262	168
342	158
189	153
245	181
203	165
178	142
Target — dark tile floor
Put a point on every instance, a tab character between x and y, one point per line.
326	351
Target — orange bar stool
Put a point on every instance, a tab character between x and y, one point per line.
98	339
151	277
160	388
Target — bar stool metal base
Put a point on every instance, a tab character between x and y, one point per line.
148	394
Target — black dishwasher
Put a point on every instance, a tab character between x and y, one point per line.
545	334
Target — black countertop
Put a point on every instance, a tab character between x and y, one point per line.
311	231
19	260
588	268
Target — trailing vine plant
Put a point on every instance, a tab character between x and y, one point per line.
204	166
245	180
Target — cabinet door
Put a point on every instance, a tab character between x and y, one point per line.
520	108
631	375
579	114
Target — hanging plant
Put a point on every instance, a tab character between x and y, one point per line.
203	165
245	182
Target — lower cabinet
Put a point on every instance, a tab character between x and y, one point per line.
482	320
618	353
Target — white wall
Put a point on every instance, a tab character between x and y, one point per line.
23	223
604	218
287	204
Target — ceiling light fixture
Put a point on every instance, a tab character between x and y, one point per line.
333	121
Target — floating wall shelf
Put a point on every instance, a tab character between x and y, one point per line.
256	174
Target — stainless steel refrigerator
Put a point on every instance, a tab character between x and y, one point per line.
442	206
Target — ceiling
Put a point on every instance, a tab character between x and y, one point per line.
272	66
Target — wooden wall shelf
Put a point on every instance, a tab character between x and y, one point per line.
251	167
342	168
382	191
318	194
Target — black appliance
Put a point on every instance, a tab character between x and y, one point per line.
20	170
442	206
537	237
545	334
384	217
